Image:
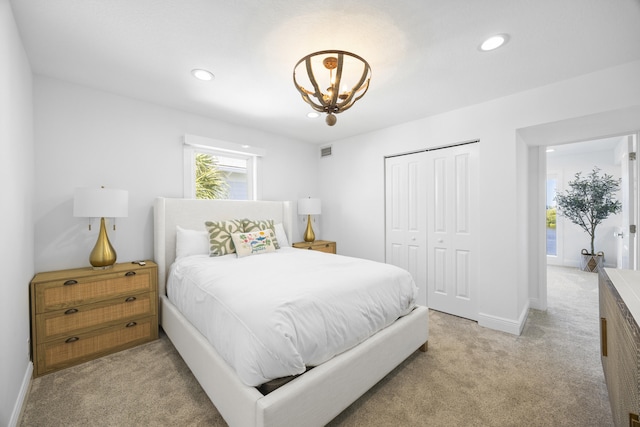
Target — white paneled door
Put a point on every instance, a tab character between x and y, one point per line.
406	219
431	206
452	206
627	250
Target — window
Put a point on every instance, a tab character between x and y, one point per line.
219	177
219	170
552	235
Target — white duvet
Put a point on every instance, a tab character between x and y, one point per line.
272	315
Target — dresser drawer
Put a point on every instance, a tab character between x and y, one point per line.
75	349
319	245
72	291
83	318
329	247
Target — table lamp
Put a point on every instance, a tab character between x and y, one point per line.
309	207
101	203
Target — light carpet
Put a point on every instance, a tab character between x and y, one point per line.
550	375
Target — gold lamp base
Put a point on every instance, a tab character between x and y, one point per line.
103	255
309	235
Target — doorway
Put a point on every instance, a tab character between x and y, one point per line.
536	139
565	240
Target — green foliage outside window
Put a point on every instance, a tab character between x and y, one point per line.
551	218
211	182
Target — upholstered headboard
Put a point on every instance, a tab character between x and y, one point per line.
192	214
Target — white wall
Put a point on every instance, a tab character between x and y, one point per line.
88	138
16	215
523	214
352	180
571	238
536	237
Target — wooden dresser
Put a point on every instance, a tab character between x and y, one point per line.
318	245
81	314
620	342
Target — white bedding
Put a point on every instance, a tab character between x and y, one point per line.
272	315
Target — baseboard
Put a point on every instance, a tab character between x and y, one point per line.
503	324
24	390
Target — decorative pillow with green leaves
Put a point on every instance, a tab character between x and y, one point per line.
261	224
254	242
220	242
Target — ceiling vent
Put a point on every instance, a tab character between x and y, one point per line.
325	151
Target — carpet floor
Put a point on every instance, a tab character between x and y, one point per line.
550	375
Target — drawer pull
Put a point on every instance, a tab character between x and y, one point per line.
70	282
603	336
130	273
130	324
72	339
130	299
71	311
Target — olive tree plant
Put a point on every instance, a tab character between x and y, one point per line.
589	201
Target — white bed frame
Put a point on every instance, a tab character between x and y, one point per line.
313	399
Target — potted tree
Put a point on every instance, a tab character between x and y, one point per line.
588	202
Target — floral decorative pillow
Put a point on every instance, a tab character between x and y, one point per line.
261	224
254	242
220	242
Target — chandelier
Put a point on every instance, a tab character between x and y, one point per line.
331	81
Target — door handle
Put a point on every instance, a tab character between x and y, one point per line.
618	234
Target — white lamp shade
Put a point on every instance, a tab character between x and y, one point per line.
100	202
309	206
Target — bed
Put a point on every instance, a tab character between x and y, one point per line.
313	398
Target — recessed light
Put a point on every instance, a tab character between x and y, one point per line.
550	150
494	42
313	115
201	74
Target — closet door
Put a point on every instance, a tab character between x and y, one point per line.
431	199
452	206
406	217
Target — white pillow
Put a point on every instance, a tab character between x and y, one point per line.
281	236
254	242
191	242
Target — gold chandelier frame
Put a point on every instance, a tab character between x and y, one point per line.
331	100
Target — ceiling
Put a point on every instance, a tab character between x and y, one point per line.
423	53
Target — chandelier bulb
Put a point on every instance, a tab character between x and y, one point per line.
331	119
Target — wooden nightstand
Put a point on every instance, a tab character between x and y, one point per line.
318	245
81	314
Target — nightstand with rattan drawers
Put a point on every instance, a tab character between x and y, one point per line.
81	314
318	245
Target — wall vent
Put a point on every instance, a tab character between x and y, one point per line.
325	151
